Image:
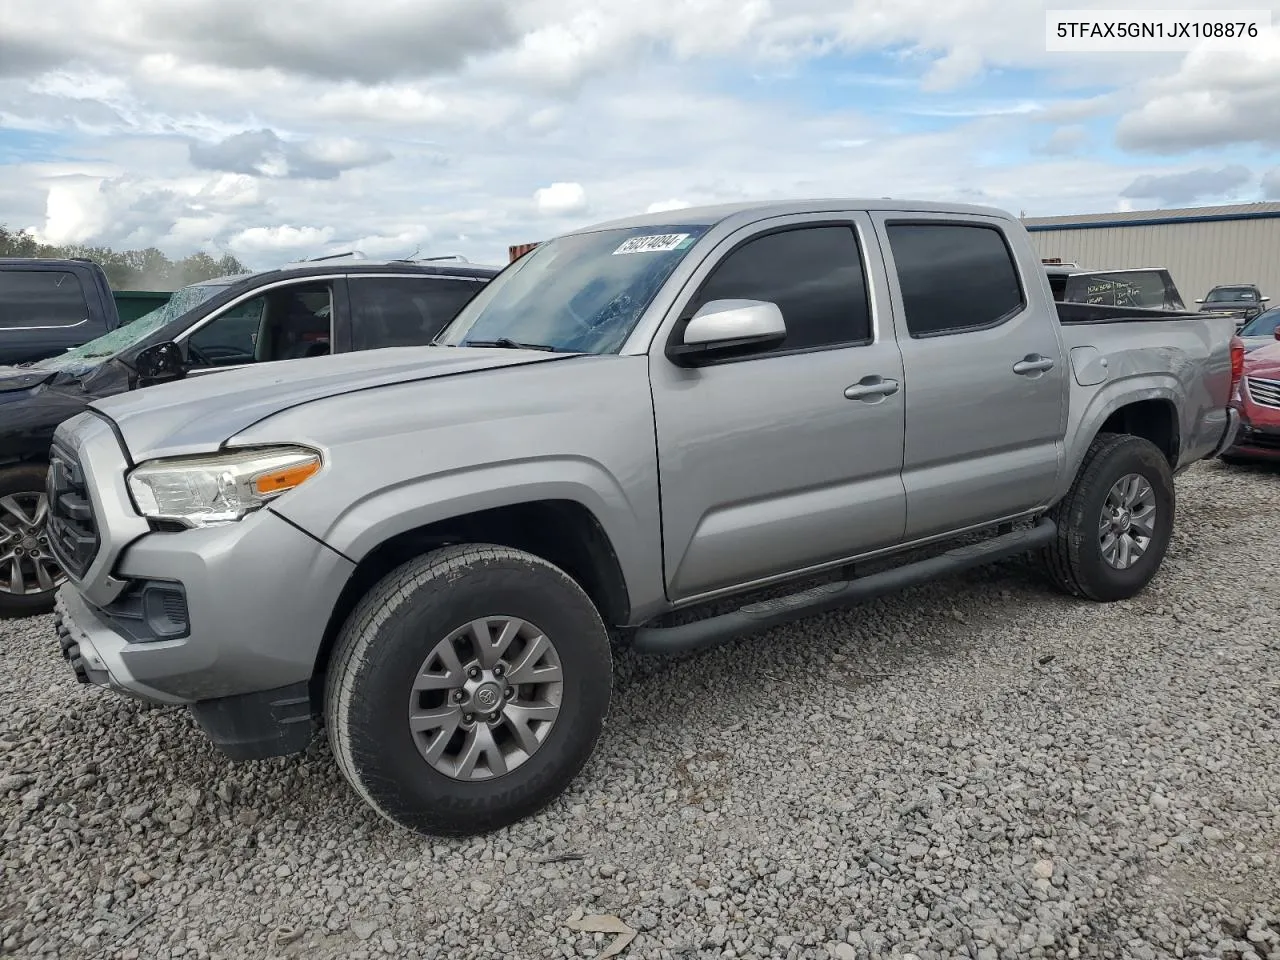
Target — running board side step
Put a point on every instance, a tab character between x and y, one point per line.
755	617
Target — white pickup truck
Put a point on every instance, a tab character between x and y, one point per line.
435	548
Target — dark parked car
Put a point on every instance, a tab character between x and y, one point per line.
299	311
48	306
1243	299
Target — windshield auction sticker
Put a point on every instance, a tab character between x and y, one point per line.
656	243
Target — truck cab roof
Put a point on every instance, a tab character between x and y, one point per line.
718	213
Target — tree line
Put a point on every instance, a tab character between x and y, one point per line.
147	269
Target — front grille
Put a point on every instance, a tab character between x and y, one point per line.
1265	393
73	531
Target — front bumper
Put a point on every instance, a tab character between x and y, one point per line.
226	620
1255	442
267	723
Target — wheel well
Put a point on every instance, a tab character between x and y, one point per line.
562	532
1154	420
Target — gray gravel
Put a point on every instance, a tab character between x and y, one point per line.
975	769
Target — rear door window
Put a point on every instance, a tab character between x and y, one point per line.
47	299
954	277
404	311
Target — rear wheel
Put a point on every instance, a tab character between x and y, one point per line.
1116	521
468	689
29	576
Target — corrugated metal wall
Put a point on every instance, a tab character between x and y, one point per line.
1199	255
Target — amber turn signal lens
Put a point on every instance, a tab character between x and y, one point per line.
278	481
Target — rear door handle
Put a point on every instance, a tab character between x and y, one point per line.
871	389
1032	363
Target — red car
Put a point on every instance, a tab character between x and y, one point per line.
1257	399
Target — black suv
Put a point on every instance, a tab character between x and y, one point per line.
305	310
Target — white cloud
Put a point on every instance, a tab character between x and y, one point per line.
75	211
257	241
560	198
1214	99
464	125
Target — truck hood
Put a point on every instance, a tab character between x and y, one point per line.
199	413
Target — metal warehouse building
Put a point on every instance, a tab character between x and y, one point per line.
1202	246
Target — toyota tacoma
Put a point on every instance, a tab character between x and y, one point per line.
665	432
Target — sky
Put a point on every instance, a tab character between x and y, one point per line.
279	130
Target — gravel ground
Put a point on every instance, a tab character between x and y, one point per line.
978	768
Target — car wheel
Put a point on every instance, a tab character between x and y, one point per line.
29	576
1116	521
467	689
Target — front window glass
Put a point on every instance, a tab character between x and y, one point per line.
41	299
582	293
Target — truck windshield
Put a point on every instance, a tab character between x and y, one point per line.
582	293
94	352
1227	294
1263	325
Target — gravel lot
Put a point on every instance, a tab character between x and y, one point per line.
978	768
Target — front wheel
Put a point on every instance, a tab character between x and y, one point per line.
468	689
29	576
1116	521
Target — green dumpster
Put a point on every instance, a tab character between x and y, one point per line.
132	304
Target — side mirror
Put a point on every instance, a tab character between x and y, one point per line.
1264	299
160	362
728	328
1200	301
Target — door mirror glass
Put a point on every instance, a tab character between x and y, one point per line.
160	362
724	328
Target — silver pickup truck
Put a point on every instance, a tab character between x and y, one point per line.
663	432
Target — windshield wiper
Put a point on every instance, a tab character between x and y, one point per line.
508	344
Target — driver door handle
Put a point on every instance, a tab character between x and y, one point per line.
871	389
1032	363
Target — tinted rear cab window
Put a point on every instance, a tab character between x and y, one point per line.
41	298
954	277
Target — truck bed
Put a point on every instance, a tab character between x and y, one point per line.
1074	314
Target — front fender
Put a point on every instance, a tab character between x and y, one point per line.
404	456
360	527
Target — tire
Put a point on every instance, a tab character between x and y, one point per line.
393	635
24	486
1075	561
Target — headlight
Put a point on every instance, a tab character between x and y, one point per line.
219	488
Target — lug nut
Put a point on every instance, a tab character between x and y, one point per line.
474	673
498	670
459	696
468	717
509	693
493	717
